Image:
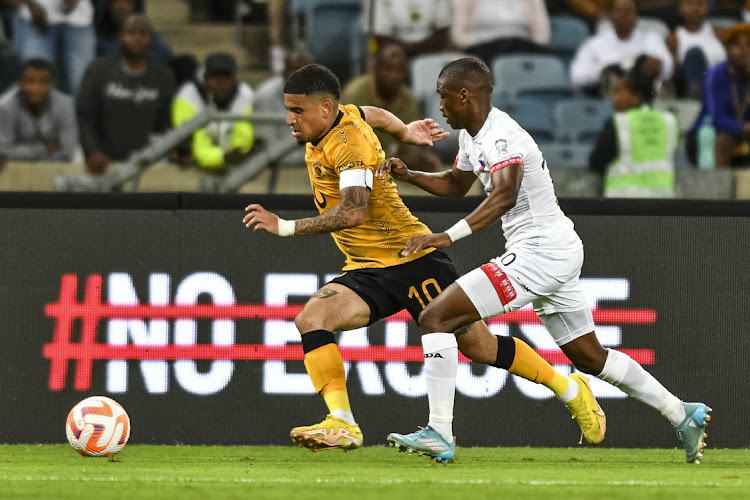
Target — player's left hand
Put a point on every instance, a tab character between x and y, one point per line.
423	132
417	243
261	218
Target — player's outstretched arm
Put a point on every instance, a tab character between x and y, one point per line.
423	132
454	182
350	212
506	182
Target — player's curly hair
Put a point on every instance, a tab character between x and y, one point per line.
313	79
468	70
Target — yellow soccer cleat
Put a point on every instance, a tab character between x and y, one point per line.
587	412
330	434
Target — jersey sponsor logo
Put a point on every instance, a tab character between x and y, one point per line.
500	281
432	355
501	145
350	165
502	164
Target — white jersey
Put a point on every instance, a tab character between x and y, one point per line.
536	221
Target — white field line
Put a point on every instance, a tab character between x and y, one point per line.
353	480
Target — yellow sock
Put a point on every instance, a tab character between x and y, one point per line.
326	369
531	366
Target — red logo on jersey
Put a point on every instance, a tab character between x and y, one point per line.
500	281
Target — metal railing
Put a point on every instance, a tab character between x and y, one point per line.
160	145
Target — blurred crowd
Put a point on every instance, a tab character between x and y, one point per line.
92	80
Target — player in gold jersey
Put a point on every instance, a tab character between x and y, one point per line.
371	225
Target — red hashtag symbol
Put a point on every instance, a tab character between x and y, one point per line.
91	311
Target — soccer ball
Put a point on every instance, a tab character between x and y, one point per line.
98	427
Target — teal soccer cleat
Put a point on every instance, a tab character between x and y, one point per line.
692	431
426	441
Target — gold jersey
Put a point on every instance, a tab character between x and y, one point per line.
352	144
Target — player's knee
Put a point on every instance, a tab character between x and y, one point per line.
431	321
591	363
305	323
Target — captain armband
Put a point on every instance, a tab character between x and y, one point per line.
355	177
460	229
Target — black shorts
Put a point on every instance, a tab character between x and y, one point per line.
410	286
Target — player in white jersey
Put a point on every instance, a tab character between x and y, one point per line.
543	256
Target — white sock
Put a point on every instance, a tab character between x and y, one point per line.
570	393
344	415
624	373
440	367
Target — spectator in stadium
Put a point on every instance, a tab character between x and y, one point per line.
624	45
385	87
665	10
695	47
270	93
108	26
726	94
279	20
38	121
635	149
42	27
419	26
220	143
124	98
488	28
591	11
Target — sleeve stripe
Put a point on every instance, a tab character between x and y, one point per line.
514	160
355	177
361	113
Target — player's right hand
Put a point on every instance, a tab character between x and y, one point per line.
261	218
395	168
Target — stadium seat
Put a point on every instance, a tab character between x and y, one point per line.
566	155
541	77
581	120
531	114
722	21
329	29
686	110
424	71
568	33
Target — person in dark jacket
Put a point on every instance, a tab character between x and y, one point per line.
124	98
108	24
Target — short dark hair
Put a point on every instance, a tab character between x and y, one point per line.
640	84
37	63
468	71
313	79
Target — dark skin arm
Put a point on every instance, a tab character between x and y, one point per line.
454	182
350	212
506	183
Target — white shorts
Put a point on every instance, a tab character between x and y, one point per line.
548	281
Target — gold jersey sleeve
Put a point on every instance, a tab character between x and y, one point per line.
352	144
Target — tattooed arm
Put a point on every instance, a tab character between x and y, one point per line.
350	212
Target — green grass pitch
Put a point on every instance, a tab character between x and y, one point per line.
376	472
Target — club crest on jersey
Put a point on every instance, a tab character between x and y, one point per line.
318	170
501	145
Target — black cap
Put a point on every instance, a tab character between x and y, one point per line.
221	62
